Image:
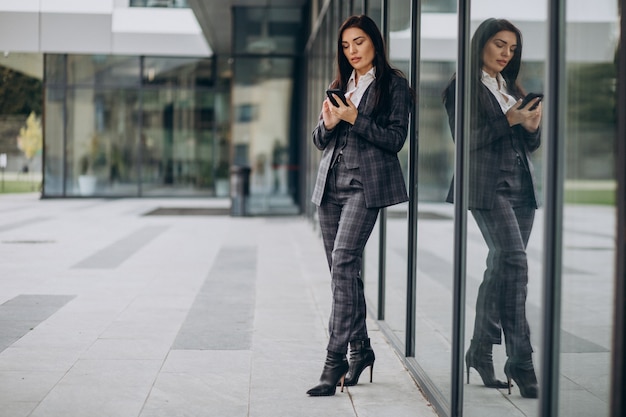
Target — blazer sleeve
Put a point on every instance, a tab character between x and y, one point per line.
391	137
321	136
488	126
532	139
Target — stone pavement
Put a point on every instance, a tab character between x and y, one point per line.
108	311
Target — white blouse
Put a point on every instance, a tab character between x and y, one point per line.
355	91
497	86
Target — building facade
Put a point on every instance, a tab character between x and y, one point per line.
424	262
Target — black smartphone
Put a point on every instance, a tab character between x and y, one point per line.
337	92
529	97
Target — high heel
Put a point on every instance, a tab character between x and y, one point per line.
361	356
333	374
479	356
521	371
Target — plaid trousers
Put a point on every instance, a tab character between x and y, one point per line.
501	301
346	224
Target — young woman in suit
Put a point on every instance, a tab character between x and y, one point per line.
359	173
502	199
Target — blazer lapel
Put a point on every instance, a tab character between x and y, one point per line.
366	105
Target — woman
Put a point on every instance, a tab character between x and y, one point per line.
359	173
502	199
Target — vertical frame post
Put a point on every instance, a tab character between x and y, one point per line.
460	207
618	362
553	211
413	183
382	218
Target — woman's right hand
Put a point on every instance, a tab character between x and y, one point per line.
330	120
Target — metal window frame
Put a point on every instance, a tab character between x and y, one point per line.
461	184
411	280
553	210
382	216
618	362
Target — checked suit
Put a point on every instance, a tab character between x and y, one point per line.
502	199
359	173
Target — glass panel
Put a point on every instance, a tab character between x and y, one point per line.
438	6
55	69
159	3
374	10
262	105
504	234
20	121
102	131
53	178
182	148
435	234
589	212
397	216
436	218
265	30
102	70
182	72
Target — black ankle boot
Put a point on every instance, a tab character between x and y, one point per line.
334	371
521	370
361	356
479	357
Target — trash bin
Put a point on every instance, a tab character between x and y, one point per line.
239	190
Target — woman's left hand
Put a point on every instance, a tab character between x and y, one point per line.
532	122
346	113
529	119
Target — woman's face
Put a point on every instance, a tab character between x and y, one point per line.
358	49
498	52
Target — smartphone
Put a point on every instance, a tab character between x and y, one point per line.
337	92
529	97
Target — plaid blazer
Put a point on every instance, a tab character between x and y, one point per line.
491	151
378	143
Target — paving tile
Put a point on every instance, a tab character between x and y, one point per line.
17	408
26	386
179	316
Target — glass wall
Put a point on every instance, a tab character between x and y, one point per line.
159	3
589	216
263	97
21	114
435	225
454	251
131	126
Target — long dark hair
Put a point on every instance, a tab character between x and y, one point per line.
384	70
485	31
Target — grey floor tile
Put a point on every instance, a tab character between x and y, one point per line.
17	408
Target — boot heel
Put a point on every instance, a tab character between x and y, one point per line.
361	356
479	357
521	370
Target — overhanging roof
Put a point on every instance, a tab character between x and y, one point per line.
99	27
215	18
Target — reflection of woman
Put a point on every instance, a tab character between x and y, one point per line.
359	172
502	199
